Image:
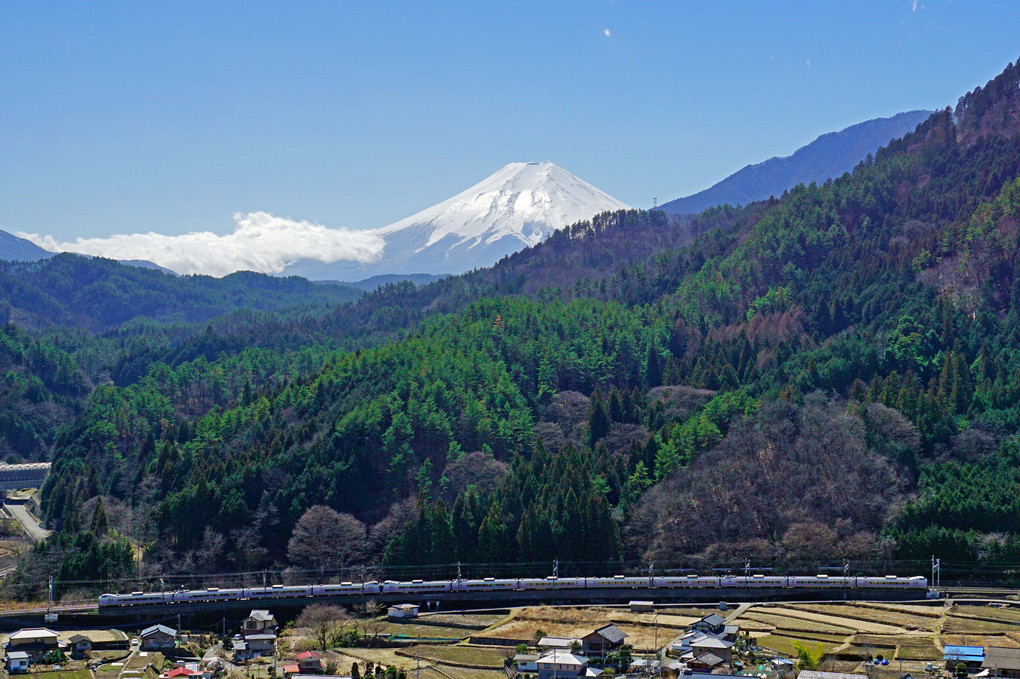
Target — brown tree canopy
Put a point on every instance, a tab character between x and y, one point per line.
323	621
800	480
325	539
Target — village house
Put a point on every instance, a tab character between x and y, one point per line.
709	644
710	624
260	645
158	638
403	611
706	662
604	640
310	662
782	666
35	641
1002	662
715	625
972	657
81	646
559	663
259	622
258	638
526	662
556	643
17	662
185	672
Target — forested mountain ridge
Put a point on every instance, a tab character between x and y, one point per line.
98	293
827	157
808	363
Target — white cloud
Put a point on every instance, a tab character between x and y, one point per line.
606	33
259	242
808	62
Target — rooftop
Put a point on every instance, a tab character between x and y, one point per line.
1002	658
148	631
611	633
812	674
965	653
561	657
30	633
714	620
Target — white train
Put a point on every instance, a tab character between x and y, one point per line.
668	582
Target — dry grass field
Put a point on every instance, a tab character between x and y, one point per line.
413	630
482	656
843	634
644	630
469	620
465	673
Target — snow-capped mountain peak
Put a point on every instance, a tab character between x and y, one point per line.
517	207
525	201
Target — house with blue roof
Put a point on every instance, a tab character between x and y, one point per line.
971	656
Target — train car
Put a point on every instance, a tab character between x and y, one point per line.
759	580
426	586
334	590
552	582
486	584
686	581
892	582
620	581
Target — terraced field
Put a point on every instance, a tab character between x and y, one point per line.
482	656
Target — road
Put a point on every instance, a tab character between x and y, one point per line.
28	522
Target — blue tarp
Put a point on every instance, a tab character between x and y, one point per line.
974	654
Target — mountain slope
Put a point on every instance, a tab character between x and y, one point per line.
14	249
518	206
95	293
827	157
811	364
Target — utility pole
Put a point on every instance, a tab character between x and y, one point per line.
50	597
658	659
651	574
936	571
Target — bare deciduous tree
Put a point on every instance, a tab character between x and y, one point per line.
325	622
324	538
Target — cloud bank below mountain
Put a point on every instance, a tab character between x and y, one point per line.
260	242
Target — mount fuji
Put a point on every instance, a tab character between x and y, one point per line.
517	207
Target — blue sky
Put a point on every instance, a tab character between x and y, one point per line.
171	117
